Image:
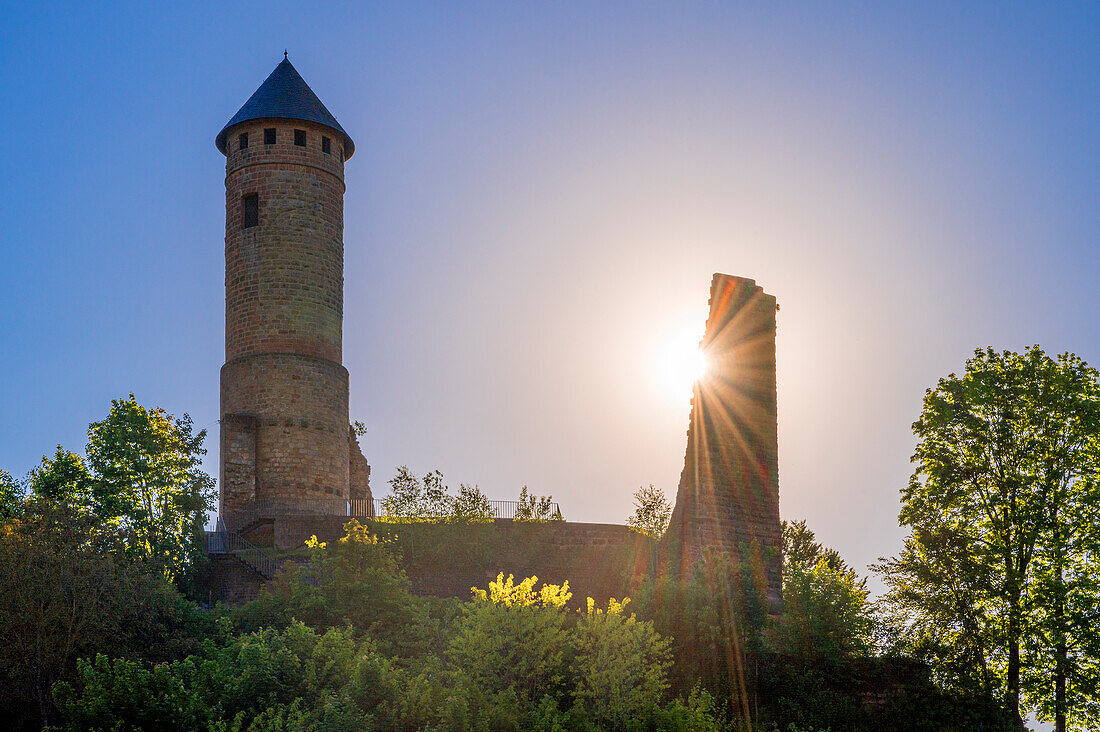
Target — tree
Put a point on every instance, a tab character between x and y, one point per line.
11	496
412	498
64	478
536	508
472	505
1065	614
826	615
431	499
66	592
651	512
620	666
802	550
1005	457
148	479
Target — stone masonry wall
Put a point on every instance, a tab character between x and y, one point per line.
446	560
238	484
229	580
284	316
358	471
728	497
285	277
301	403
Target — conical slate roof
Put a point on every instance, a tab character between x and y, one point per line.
285	95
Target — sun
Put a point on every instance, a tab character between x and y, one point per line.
680	362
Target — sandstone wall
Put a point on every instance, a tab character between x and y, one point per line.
284	318
446	560
728	497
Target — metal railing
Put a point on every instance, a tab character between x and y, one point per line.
268	509
228	540
224	541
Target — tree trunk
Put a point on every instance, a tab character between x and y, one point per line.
1014	667
1061	651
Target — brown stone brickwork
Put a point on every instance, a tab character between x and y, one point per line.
238	467
728	497
446	560
284	391
358	471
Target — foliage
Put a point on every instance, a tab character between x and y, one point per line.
513	641
471	505
67	591
614	695
999	507
515	658
65	479
148	479
356	580
429	499
826	614
267	680
801	550
651	512
536	508
11	496
716	619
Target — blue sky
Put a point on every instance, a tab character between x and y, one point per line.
539	196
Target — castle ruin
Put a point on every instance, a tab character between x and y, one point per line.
288	455
728	497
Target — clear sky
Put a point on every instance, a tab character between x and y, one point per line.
539	196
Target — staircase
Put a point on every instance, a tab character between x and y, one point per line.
224	541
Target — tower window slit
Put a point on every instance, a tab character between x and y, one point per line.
250	205
326	145
269	136
243	140
300	138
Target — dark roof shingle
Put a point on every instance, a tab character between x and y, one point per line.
285	95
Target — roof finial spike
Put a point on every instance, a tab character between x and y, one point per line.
284	54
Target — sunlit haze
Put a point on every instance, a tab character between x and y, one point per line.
678	362
539	196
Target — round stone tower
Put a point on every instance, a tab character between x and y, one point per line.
284	391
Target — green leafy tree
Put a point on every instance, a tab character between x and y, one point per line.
64	478
289	679
148	478
67	591
802	550
1063	650
620	667
536	508
412	498
356	580
513	640
826	614
936	611
651	512
471	505
1004	458
11	496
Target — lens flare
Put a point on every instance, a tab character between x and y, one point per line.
680	362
